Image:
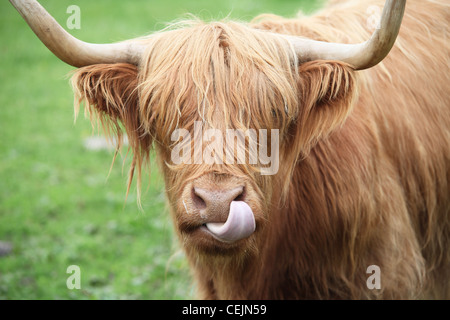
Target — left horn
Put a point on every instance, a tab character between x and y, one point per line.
363	55
69	49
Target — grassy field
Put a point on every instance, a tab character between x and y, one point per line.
57	207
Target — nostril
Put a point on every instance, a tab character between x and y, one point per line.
199	202
240	196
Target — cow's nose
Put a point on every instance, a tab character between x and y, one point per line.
215	204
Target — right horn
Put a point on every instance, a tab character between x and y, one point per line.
362	55
68	48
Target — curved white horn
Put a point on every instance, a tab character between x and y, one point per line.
68	48
360	56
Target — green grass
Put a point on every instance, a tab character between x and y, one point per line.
57	207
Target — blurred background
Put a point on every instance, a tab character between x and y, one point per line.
58	206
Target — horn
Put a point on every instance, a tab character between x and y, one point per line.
69	49
363	55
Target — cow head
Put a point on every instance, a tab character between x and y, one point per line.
229	109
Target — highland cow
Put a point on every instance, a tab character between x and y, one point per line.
364	144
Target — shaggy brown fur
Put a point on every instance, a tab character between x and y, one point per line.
364	173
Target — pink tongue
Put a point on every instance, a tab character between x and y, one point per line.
239	225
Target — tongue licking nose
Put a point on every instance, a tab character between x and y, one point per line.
239	225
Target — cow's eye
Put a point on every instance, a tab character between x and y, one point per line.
276	113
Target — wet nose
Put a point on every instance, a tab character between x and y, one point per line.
216	203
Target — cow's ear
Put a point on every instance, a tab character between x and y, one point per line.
328	92
110	94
